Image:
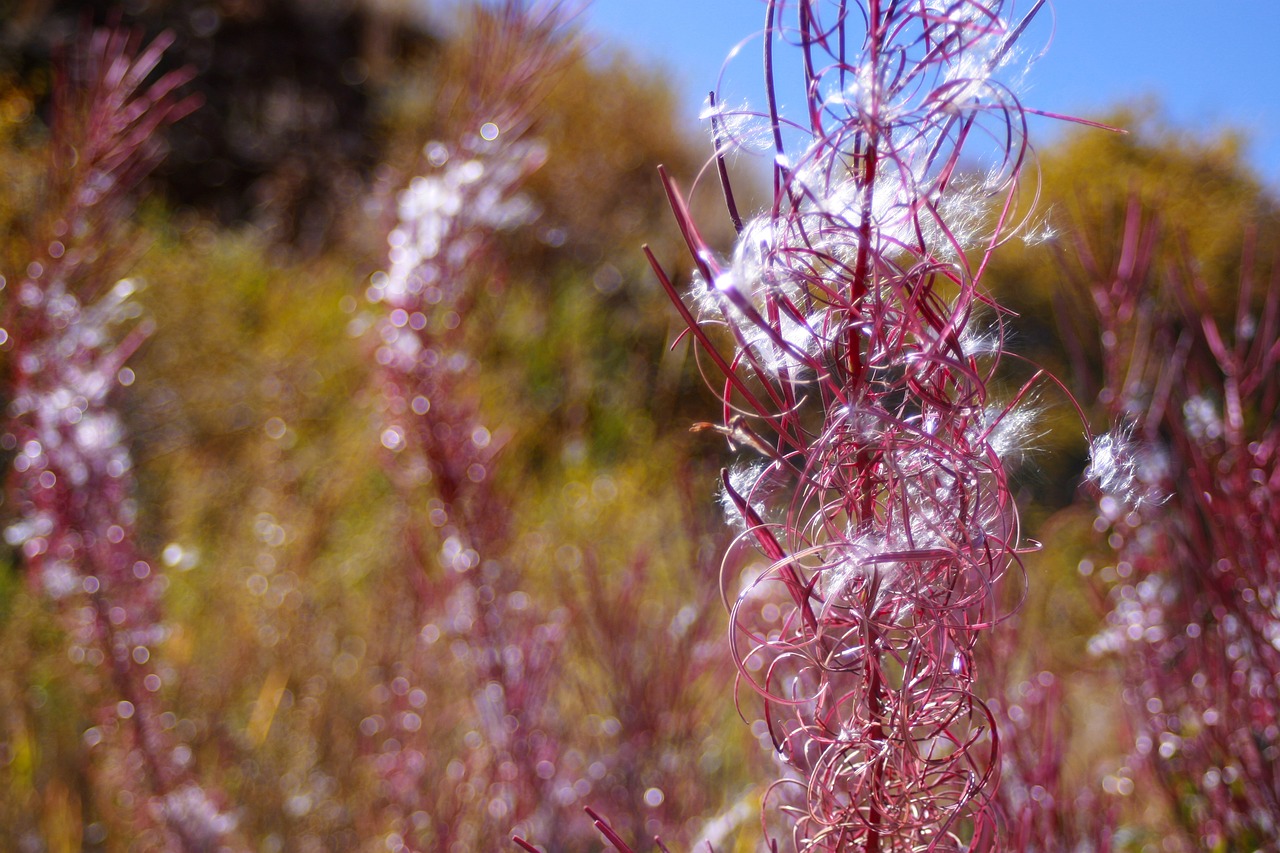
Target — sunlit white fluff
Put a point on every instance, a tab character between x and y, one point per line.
748	481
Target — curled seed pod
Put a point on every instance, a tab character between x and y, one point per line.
876	515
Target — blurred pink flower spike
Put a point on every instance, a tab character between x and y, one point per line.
72	482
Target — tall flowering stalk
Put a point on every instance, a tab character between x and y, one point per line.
71	484
469	605
1188	495
860	384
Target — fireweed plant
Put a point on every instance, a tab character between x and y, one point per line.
71	484
863	384
469	606
1188	498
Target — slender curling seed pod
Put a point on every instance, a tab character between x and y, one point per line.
860	386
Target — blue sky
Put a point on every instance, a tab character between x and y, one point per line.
1212	63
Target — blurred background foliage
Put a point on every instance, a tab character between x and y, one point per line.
1216	219
254	430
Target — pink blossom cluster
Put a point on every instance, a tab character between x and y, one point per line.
72	483
501	765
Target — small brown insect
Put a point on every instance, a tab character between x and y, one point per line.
739	432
